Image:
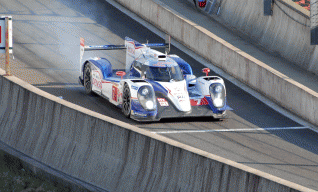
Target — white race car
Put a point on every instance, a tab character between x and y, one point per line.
154	85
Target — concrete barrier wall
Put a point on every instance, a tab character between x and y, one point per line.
313	65
285	33
113	155
274	85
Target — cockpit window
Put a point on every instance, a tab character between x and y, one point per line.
166	74
136	69
163	72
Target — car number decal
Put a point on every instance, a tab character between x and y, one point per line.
134	87
163	102
97	83
96	79
114	93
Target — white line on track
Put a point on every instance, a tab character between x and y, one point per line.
58	86
232	130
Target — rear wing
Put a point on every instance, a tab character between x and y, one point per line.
103	47
134	48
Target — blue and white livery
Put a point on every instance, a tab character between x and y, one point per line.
153	85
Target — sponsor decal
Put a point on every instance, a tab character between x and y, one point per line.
131	48
114	93
180	97
162	64
163	102
139	114
134	87
175	91
159	64
198	102
97	83
96	79
100	75
81	40
194	102
104	81
204	101
96	74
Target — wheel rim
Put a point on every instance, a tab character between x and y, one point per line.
87	79
126	102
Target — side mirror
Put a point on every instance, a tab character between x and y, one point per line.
206	71
121	74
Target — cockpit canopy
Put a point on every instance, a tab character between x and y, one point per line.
160	71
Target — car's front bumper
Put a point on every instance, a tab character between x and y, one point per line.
171	111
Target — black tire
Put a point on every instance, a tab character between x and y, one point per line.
88	79
126	106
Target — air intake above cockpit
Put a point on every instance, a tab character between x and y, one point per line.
162	57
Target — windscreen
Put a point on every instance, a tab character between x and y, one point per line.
166	74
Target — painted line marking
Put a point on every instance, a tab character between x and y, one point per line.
288	164
58	86
232	130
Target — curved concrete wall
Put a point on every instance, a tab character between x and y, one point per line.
113	155
285	33
264	79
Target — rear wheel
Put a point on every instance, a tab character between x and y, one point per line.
126	108
88	79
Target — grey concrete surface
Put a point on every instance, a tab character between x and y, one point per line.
46	37
286	33
220	28
113	155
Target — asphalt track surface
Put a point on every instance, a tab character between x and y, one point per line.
46	48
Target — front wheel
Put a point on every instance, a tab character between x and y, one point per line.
88	79
126	108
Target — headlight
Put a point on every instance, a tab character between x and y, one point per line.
146	97
218	88
149	104
144	92
217	92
